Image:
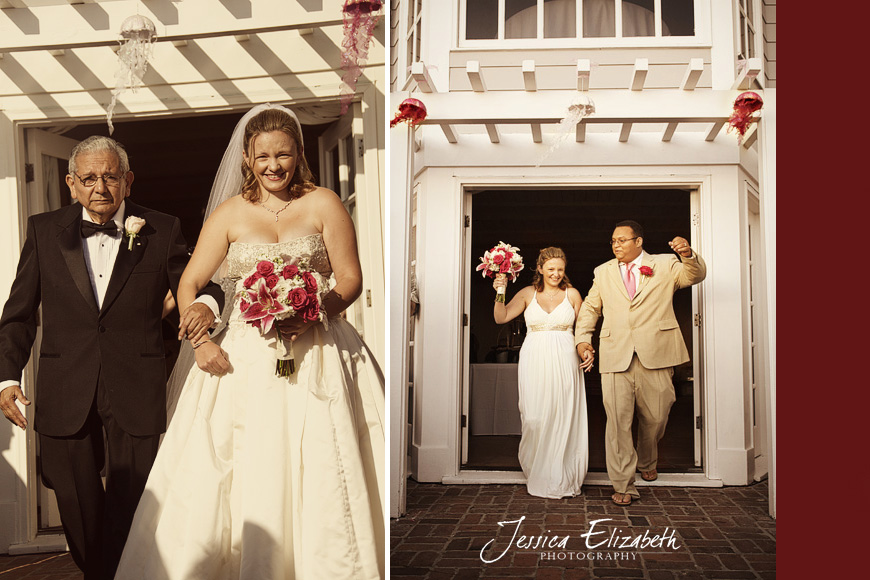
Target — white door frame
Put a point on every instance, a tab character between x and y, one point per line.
467	185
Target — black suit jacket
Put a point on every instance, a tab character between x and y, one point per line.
122	342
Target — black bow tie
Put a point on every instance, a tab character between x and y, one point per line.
90	228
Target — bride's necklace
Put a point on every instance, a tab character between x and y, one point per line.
551	295
279	211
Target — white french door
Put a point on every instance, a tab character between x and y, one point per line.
47	156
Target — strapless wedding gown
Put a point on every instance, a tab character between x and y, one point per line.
554	448
261	477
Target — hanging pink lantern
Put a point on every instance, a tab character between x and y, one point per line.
411	111
745	105
360	19
362	6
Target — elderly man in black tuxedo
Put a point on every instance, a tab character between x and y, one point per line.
101	380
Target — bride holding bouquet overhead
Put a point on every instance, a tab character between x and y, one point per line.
554	448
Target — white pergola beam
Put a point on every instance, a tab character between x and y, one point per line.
669	131
472	69
581	132
420	74
751	136
625	132
747	75
641	68
449	132
693	73
714	130
492	131
611	106
584	70
179	43
57	52
529	75
537	136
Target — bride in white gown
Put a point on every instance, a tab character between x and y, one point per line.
265	477
554	448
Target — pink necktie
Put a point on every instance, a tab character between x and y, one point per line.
629	281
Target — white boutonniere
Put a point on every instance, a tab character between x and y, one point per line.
132	225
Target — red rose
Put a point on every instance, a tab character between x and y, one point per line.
289	271
251	280
646	270
311	312
310	282
244	305
498	258
272	280
265	267
505	267
298	298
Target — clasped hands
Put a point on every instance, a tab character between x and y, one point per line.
587	355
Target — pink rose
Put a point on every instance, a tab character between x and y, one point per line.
265	267
272	280
310	282
289	271
298	298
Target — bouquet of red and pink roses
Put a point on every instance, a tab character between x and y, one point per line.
275	290
501	259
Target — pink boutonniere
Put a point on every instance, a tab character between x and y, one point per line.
646	271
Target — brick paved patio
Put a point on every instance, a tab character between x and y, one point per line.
721	533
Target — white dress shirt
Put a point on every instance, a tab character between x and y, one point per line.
101	250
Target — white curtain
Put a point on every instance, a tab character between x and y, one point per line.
599	20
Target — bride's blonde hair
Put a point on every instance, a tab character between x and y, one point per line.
268	121
549	254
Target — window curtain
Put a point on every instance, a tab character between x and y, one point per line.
599	20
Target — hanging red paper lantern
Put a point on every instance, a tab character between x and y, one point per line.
360	19
744	106
411	111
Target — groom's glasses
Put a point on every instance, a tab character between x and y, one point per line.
91	180
621	241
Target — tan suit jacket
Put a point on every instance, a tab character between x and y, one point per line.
645	324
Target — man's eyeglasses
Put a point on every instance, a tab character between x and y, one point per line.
91	180
621	241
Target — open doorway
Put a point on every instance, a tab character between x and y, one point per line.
581	222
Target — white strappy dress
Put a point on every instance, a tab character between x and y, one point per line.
261	477
554	448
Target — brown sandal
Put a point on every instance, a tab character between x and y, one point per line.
625	497
651	475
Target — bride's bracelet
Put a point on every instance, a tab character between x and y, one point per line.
199	344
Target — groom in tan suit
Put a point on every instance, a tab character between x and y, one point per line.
640	344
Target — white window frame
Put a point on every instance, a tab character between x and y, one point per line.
748	13
702	36
410	28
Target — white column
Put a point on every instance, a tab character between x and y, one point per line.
399	198
767	163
